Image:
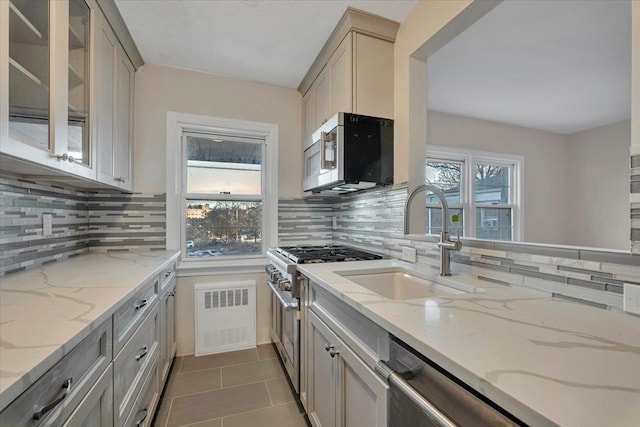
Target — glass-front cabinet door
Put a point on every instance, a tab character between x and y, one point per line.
44	81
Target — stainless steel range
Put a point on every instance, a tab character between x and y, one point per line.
284	281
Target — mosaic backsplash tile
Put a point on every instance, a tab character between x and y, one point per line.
374	220
82	221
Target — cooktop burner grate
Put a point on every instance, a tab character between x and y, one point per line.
325	253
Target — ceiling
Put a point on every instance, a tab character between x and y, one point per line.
560	66
267	41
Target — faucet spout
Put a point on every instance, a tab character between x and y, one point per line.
445	244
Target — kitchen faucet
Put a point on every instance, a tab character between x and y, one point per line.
444	244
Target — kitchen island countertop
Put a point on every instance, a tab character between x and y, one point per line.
545	360
46	311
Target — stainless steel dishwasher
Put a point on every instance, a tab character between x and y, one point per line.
423	394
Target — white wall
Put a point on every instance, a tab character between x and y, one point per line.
160	89
185	308
599	188
544	152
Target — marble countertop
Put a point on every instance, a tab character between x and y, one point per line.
547	361
46	311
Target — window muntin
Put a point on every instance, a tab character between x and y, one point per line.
488	189
224	196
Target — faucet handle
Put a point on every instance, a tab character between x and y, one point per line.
458	242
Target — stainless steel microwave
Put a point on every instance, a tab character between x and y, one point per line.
349	152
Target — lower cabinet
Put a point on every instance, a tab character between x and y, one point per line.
167	330
341	389
145	405
108	379
96	409
138	357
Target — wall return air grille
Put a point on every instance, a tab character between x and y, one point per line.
225	316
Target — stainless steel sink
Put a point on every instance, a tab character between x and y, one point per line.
399	284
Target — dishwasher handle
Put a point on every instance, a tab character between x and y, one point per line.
395	380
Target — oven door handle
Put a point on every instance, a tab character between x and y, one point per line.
395	380
286	305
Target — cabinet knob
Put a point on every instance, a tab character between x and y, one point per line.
328	347
333	352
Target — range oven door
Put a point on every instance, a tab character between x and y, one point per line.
285	331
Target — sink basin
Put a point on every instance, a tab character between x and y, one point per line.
397	284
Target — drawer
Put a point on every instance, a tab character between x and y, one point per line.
128	317
132	364
368	340
167	274
54	396
144	408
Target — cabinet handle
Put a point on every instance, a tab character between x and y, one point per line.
328	347
144	416
141	304
168	273
333	352
172	293
143	353
119	179
64	157
49	406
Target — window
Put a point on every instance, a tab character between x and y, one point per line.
226	200
483	191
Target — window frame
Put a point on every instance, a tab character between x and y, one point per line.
179	124
470	158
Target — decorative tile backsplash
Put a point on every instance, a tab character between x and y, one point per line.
304	221
82	221
374	220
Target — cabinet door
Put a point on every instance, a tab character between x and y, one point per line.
123	121
106	61
96	409
171	323
43	66
362	396
373	91
322	98
340	76
167	332
322	375
308	118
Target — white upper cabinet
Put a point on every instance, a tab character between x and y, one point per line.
114	106
353	73
44	76
52	99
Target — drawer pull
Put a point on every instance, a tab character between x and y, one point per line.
49	406
141	304
168	273
143	353
144	416
328	347
333	352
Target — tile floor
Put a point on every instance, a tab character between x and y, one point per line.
240	388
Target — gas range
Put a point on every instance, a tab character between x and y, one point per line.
287	293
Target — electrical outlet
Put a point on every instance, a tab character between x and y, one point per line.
409	254
47	224
335	222
631	298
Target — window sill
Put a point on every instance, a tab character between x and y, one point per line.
220	267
